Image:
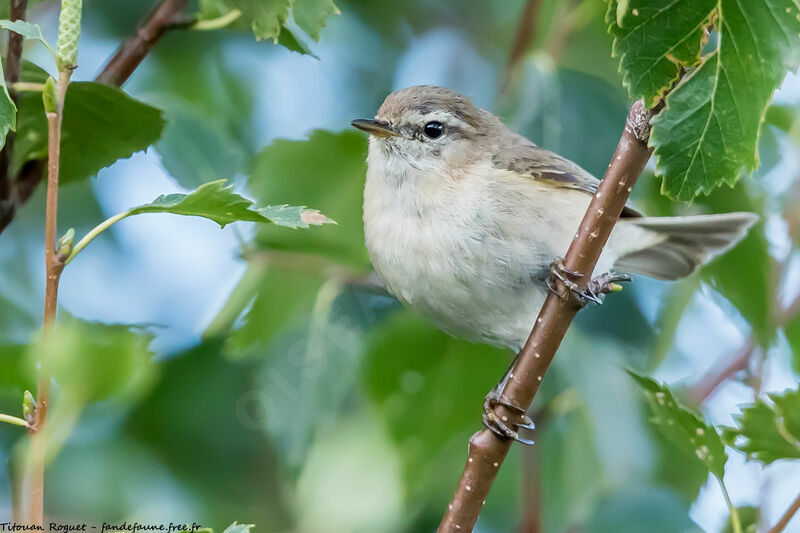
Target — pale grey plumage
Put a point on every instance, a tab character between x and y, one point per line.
463	227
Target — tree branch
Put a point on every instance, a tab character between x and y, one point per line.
13	63
526	33
54	265
165	16
487	450
787	516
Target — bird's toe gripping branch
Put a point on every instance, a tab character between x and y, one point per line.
501	425
598	286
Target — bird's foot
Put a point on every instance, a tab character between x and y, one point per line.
501	425
598	286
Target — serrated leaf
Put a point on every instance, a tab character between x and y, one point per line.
28	31
311	15
654	40
217	201
292	39
292	216
214	200
8	110
239	528
265	18
707	134
768	431
101	125
684	428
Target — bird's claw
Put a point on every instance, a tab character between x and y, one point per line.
600	285
500	425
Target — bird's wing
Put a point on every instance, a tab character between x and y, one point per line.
523	157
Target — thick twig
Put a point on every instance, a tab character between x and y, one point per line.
12	64
787	517
526	33
531	491
705	386
54	265
165	16
487	450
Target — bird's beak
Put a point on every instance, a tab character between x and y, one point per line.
378	128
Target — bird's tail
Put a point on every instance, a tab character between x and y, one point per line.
673	247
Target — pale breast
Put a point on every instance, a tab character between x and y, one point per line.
471	256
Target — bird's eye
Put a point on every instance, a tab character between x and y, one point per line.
433	129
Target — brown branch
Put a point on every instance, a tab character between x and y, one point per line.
165	16
705	387
12	63
487	450
787	517
531	491
526	33
54	265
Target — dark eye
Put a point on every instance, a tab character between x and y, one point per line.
433	129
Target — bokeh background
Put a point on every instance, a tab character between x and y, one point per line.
285	391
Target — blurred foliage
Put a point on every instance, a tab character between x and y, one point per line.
769	431
101	125
685	429
313	402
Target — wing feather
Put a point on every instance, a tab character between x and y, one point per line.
523	157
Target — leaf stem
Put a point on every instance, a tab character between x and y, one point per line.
217	23
735	522
15	420
97	230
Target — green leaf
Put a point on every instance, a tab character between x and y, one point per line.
28	31
239	528
8	110
268	18
685	429
311	15
291	171
768	431
92	361
707	133
214	200
406	359
101	125
654	40
264	17
292	39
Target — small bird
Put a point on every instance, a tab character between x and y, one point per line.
464	218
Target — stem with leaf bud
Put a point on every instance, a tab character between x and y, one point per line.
53	96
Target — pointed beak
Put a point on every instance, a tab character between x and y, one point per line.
378	128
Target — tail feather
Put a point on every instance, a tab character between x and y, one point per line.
676	246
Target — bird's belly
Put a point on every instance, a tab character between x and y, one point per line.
468	286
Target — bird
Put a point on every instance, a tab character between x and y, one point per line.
465	220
